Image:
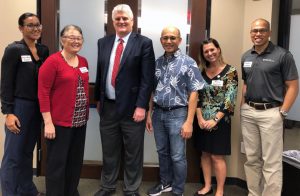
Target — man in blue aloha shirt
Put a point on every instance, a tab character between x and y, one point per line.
174	101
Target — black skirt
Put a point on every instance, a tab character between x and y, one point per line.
217	142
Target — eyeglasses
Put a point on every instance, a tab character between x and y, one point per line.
261	31
166	38
73	39
33	26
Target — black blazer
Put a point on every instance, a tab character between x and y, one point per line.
134	82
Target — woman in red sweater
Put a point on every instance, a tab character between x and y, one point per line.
64	103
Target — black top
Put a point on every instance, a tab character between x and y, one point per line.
265	74
19	73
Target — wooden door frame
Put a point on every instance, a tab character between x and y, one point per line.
284	25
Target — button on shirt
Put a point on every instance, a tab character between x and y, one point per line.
19	73
175	77
110	90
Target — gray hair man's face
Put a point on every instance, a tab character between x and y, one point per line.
122	23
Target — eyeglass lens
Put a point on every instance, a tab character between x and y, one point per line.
73	38
166	38
259	30
33	26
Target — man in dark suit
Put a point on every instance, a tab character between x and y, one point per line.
125	73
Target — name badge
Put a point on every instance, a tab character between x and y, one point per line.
83	69
26	58
247	64
217	83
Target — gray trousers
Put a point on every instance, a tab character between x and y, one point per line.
116	134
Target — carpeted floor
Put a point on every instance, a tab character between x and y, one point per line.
87	187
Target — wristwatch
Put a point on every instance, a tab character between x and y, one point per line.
216	119
283	113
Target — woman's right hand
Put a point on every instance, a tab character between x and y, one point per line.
202	123
49	131
12	123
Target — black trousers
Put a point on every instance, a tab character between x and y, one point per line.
114	133
64	161
16	166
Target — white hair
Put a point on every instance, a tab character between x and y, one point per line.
122	8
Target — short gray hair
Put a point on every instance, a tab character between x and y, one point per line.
122	8
68	27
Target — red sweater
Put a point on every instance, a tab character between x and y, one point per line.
57	87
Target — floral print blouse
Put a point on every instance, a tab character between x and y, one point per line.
219	93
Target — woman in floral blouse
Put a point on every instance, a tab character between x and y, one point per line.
215	108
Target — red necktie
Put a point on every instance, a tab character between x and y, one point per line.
117	62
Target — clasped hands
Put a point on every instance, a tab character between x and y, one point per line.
208	125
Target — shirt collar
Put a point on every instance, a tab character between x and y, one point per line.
175	54
125	39
268	49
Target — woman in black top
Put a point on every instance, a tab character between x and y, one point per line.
19	73
215	108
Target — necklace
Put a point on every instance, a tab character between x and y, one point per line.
215	71
75	66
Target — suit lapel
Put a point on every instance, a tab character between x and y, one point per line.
128	48
107	53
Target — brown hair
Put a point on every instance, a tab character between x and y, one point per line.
203	62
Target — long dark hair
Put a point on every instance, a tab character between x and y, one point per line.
203	62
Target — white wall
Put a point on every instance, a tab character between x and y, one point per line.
92	24
295	50
10	11
175	15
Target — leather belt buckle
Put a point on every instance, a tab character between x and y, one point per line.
168	108
257	106
262	106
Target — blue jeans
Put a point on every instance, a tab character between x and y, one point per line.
171	147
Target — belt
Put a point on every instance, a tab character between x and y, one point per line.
168	108
263	106
109	100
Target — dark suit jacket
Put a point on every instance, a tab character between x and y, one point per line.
134	82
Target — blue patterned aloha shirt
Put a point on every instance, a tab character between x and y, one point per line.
176	77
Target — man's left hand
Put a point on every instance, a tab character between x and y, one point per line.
139	114
187	130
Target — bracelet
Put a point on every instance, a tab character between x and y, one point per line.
216	119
